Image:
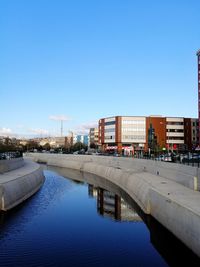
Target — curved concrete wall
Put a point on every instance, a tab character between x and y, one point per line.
186	175
7	165
18	185
167	199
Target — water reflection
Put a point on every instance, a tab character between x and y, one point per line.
111	205
115	203
64	225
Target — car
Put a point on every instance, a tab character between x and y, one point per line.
168	159
191	158
2	156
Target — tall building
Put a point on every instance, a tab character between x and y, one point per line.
198	60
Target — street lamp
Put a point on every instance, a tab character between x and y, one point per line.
168	141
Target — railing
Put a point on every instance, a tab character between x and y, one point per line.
190	159
11	155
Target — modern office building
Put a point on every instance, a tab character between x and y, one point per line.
80	138
122	134
198	62
136	134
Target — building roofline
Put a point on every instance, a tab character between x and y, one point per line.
198	52
143	116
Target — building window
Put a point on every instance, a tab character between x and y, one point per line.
109	130
109	123
174	123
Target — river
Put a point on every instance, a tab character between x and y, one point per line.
85	221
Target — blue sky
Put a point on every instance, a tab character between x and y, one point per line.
92	59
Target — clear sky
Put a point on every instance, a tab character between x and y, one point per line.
88	59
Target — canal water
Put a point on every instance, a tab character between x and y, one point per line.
70	222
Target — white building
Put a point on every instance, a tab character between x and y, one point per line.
174	131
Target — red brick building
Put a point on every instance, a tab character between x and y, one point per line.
138	134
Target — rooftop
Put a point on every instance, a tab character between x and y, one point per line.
198	52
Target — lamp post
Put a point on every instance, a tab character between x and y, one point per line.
168	141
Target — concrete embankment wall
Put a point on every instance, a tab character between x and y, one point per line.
11	164
167	196
186	175
18	185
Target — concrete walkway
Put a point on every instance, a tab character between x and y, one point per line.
27	168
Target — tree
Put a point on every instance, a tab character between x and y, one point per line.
31	145
78	146
47	146
93	145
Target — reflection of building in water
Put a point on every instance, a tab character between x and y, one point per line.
92	190
111	205
108	204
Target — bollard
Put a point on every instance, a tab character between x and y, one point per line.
195	183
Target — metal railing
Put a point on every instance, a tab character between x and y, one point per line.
190	159
11	155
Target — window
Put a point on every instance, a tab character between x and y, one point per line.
109	130
110	123
175	138
133	122
174	123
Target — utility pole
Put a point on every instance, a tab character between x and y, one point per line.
168	134
61	128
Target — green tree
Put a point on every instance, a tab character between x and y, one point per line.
31	145
78	146
93	145
47	146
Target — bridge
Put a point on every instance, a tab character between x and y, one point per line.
168	192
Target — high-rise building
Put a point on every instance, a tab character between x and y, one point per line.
198	60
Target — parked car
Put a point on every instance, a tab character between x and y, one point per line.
191	158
